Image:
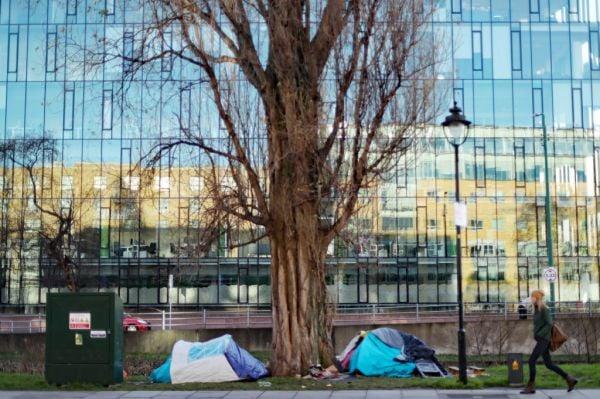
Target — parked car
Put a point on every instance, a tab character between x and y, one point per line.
132	324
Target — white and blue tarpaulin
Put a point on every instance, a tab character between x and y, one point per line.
217	360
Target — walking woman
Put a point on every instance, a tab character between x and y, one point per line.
542	333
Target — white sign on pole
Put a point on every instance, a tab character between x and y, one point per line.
170	281
550	274
460	214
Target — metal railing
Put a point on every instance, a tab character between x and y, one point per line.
251	317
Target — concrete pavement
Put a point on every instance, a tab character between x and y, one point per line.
371	394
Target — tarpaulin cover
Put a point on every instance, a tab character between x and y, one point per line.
390	337
217	360
350	347
243	363
345	361
162	374
375	358
415	349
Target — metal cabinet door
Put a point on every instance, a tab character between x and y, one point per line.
77	346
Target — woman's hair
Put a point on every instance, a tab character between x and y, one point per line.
539	296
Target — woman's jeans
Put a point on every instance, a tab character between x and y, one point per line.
542	348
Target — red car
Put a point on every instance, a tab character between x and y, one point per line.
132	324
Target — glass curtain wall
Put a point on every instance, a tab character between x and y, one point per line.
509	60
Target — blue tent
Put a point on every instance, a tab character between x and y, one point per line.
373	357
389	352
217	360
162	373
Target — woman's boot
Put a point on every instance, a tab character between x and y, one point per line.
571	381
529	389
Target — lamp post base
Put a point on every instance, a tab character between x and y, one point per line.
462	356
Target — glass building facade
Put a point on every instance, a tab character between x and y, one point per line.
510	59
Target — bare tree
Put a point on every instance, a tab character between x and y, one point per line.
480	333
584	336
57	214
316	99
501	336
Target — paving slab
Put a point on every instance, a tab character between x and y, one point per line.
174	395
563	394
589	393
419	394
476	394
43	395
106	395
384	394
278	395
313	395
11	395
516	393
243	395
208	395
142	394
348	395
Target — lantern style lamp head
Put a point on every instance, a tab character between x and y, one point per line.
456	126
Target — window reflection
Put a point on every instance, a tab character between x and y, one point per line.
510	59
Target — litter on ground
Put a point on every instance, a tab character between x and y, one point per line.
472	371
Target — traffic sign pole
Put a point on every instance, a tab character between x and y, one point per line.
170	302
548	214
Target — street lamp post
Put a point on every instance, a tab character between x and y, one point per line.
548	208
456	130
445	232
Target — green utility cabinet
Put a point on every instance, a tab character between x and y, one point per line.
84	338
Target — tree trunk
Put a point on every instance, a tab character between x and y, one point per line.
71	276
302	315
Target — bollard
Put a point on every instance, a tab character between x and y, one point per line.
163	319
514	362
